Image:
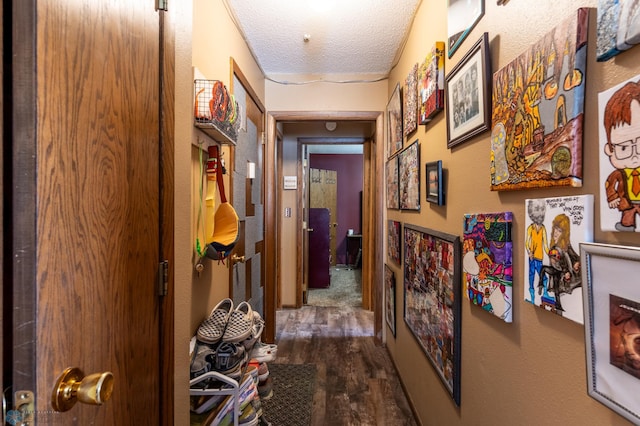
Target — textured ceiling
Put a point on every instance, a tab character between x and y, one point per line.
356	38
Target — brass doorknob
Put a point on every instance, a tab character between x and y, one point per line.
73	386
235	258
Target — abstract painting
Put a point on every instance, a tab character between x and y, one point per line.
390	297
432	300
554	229
393	241
409	167
411	101
394	123
431	83
618	27
393	189
538	111
619	128
487	259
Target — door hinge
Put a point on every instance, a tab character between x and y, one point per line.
23	413
162	5
163	278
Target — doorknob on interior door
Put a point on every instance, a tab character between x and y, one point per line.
235	258
73	386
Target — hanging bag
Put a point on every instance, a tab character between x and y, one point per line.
225	221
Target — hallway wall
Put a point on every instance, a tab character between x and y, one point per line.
531	371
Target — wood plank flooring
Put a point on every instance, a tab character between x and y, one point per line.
356	381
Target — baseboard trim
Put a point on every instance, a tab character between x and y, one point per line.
404	388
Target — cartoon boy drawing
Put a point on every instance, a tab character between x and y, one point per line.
536	243
622	125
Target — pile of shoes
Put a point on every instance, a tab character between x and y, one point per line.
228	342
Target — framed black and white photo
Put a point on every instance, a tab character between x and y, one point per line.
468	96
434	182
611	297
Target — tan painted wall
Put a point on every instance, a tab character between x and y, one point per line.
532	371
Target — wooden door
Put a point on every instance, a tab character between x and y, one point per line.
247	275
323	192
319	252
86	210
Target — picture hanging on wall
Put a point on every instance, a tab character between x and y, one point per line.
552	270
538	111
618	27
468	96
435	193
390	297
488	261
432	299
462	16
409	166
431	83
393	188
394	123
619	128
410	97
394	229
612	326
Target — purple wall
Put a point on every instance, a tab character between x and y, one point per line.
350	172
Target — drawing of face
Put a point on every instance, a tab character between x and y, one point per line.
624	151
536	211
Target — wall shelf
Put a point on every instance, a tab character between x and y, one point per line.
223	133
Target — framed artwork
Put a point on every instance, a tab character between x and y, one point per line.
393	189
487	258
619	180
618	27
432	300
612	326
409	183
555	227
390	298
431	83
411	101
435	194
393	241
538	111
467	89
394	123
462	16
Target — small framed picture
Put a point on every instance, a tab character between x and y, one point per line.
611	297
434	182
462	16
468	98
394	123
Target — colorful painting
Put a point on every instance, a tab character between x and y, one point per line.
619	128
411	101
395	138
393	189
431	81
487	260
555	227
393	241
409	166
390	297
618	27
538	111
432	300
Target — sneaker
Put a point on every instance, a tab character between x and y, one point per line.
239	325
256	332
201	363
265	389
229	359
263	372
263	352
213	328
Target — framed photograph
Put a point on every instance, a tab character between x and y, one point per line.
390	298
394	123
468	97
612	326
541	147
409	166
488	262
462	16
435	193
393	189
410	97
432	306
393	241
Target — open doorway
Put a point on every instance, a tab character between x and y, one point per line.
285	187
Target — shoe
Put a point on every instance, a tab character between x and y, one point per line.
212	329
201	363
229	359
265	389
239	325
623	228
262	352
263	372
256	331
248	417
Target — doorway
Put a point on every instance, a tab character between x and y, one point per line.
372	206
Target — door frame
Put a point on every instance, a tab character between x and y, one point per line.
373	207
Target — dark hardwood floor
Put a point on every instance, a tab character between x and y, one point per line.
356	381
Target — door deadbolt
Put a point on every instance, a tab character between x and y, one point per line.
73	386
